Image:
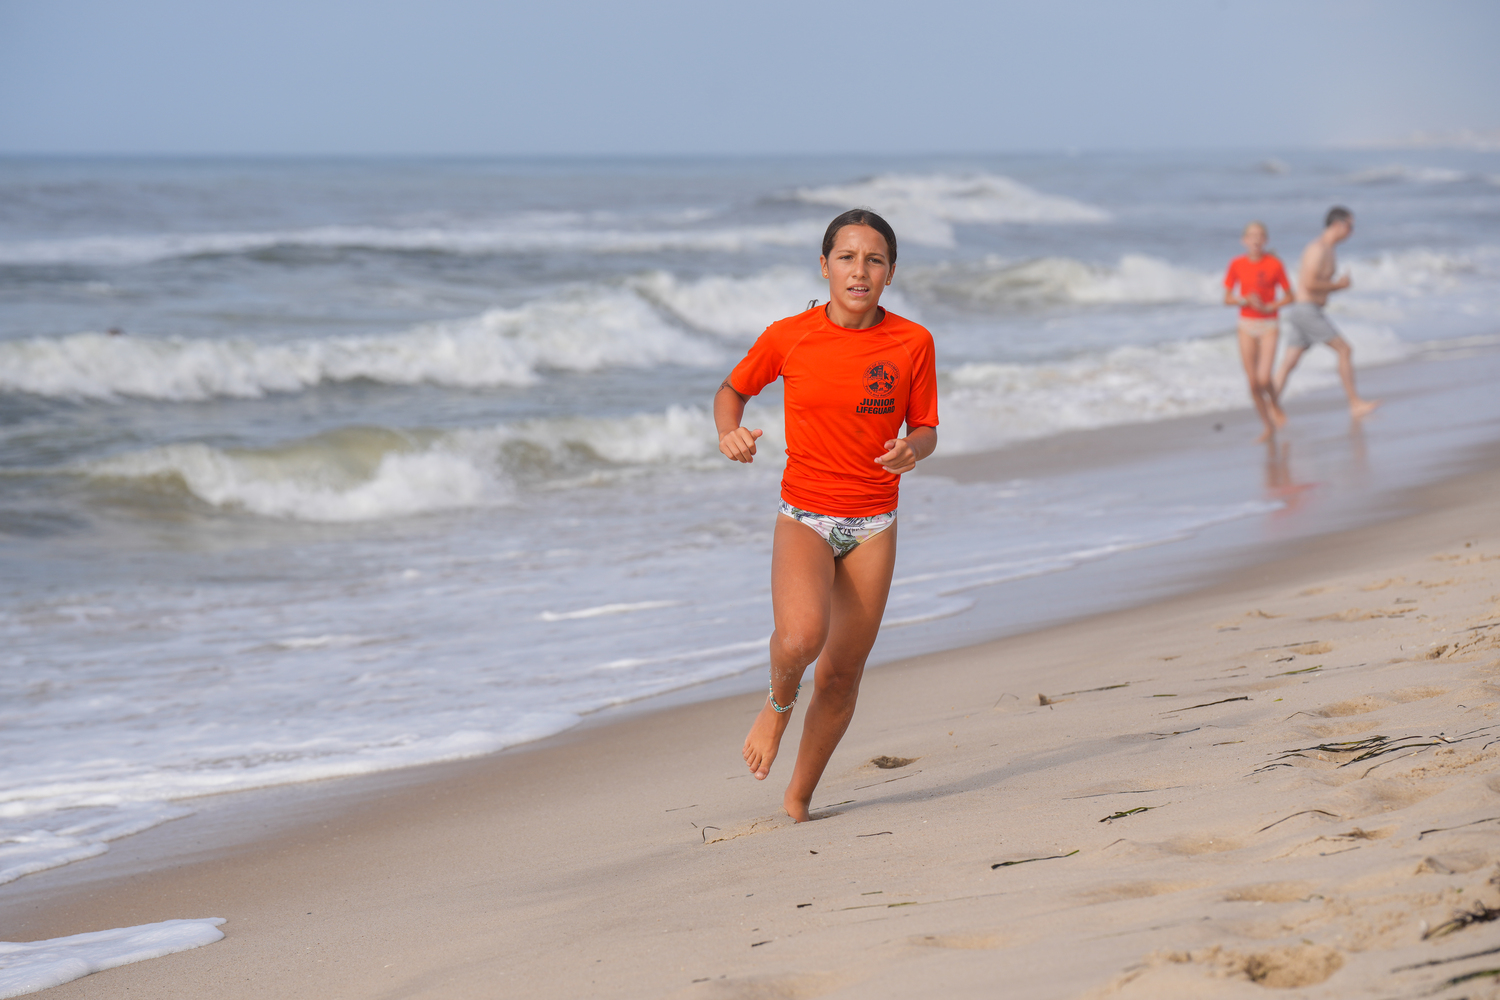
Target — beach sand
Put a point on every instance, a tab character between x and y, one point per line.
1282	780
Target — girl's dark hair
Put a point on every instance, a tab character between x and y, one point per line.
860	217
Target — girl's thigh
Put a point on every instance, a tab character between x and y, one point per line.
1249	350
802	577
1267	360
862	582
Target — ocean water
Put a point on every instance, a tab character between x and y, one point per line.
394	462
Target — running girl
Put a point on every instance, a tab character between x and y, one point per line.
1258	274
853	373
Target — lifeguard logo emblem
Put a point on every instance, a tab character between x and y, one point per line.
881	378
880	383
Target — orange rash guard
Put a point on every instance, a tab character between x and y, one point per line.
1259	278
847	393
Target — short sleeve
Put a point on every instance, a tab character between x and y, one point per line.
760	366
1231	277
1281	278
921	404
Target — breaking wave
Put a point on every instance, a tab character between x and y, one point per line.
584	330
525	234
923	207
740	308
371	473
999	283
648	321
363	474
356	474
1421	271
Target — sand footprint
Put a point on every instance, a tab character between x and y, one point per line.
1138	890
1168	973
764	824
962	942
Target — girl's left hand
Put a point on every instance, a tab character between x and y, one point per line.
899	457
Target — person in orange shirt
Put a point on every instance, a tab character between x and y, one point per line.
1258	275
853	374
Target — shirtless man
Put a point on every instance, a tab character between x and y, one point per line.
1304	320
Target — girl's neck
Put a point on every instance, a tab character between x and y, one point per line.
855	321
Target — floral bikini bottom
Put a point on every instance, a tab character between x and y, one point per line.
843	534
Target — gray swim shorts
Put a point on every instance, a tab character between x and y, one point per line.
1305	325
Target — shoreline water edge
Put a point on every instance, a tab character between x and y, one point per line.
1357	642
330	470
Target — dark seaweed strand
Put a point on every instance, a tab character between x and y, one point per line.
1126	812
1050	857
1445	829
1480	974
1445	961
1481	914
1294	815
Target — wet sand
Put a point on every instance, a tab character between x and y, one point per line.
1284	779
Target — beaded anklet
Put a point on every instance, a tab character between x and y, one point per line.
790	705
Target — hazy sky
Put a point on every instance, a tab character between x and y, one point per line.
771	76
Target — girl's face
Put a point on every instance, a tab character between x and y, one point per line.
858	269
1254	240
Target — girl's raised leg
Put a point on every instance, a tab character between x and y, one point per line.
802	576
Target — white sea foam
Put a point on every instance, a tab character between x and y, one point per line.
581	329
740	308
922	208
578	330
523	234
32	966
988	405
27	851
124	794
605	609
1396	172
1134	279
1421	271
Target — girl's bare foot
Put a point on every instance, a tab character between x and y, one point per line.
765	740
1363	407
795	807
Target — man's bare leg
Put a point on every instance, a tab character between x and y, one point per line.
1357	407
862	581
802	575
1293	355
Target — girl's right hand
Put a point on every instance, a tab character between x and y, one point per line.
738	445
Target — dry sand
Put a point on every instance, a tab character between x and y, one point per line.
1284	781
